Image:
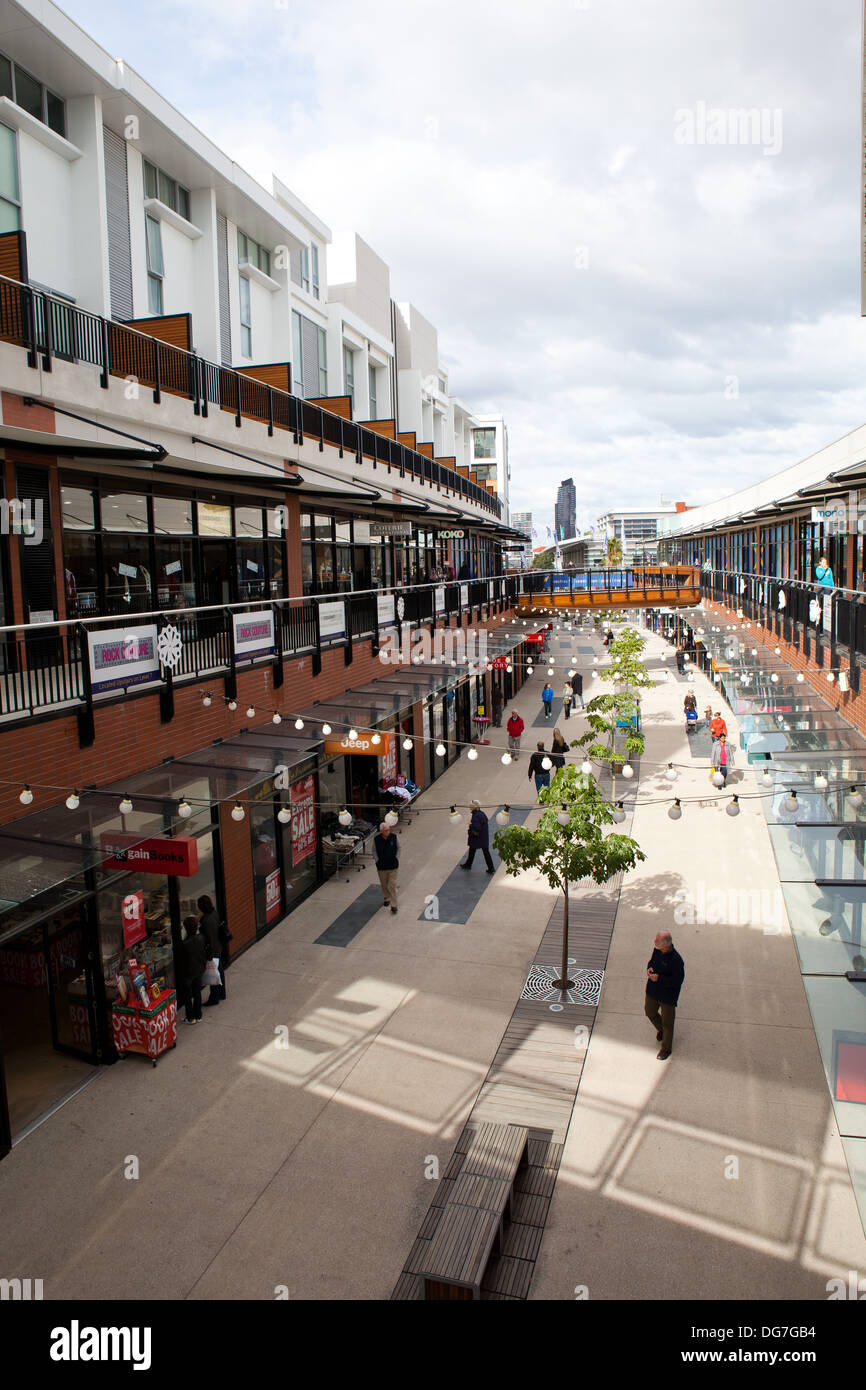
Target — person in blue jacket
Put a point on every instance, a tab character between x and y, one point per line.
665	973
824	574
547	700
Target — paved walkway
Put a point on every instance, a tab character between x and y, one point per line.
288	1141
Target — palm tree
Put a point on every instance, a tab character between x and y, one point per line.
614	551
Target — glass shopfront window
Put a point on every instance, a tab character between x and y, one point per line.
299	840
175	573
81	575
251	578
172	516
135	921
127	577
266	867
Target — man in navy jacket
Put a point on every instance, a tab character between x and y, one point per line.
387	849
478	838
665	973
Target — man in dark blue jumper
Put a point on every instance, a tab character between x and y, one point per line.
665	973
387	848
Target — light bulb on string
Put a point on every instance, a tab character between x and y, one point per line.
767	780
232	704
546	764
821	782
25	796
184	810
407	745
391	818
326	729
353	735
675	812
718	779
733	806
454	816
563	817
830	676
276	717
207	701
505	759
472	754
238	812
251	713
345	817
440	750
284	815
299	724
791	804
627	771
619	813
376	739
855	798
73	801
671	773
125	807
502	817
586	767
800	677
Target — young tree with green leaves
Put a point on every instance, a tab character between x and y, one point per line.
619	708
569	843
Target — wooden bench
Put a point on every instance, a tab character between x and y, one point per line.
471	1227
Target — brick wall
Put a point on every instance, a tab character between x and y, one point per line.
237	878
130	738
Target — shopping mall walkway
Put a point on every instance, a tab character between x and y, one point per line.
291	1141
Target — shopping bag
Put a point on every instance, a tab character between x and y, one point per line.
211	974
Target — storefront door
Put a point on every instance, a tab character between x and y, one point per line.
49	1035
216	572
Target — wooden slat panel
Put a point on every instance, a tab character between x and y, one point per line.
13	256
174	329
336	405
387	428
408	439
276	374
426	450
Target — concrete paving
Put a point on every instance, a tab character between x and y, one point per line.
719	1173
288	1142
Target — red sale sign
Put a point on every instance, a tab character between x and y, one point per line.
272	896
133	918
303	806
389	764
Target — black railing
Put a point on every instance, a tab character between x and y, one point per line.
48	327
812	616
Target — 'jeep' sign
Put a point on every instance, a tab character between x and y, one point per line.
363	744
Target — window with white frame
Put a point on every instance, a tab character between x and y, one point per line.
374	406
314	263
246	318
32	95
299	267
158	184
10	201
484	444
323	362
251	253
349	373
155	264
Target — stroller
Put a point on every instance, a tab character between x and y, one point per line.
690	706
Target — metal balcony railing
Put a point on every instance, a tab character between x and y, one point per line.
48	328
45	667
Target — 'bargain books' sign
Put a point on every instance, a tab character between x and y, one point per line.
120	657
176	854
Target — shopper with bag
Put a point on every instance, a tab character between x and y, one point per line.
723	758
217	937
193	959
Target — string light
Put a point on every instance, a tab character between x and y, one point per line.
345	817
353	735
376	739
207	701
619	813
791	804
627	771
284	815
855	798
25	796
232	704
563	817
184	810
326	729
821	782
440	750
251	713
391	818
767	780
407	744
238	811
733	806
676	811
546	763
505	759
472	754
454	816
276	718
586	767
671	773
73	801
299	724
125	807
503	817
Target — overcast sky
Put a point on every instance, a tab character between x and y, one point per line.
653	313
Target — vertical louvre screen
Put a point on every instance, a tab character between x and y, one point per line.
223	275
310	353
117	205
37	561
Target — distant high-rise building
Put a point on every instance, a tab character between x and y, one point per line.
565	519
522	521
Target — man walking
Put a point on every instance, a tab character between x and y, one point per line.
387	848
567	698
577	687
542	774
514	729
478	838
665	973
547	700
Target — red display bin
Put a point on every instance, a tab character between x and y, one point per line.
150	1031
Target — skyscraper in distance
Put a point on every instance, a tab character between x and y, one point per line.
566	510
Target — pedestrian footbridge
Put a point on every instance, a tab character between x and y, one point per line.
670	586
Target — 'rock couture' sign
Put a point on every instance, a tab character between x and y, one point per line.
120	658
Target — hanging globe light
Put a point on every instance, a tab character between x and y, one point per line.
407	745
73	801
505	759
733	806
671	773
546	764
855	798
184	810
454	816
251	714
284	815
345	817
299	724
627	771
207	701
440	750
125	807
376	739
233	704
353	735
391	818
276	717
791	804
675	812
326	729
25	796
800	677
563	817
237	811
718	779
472	754
766	780
502	817
586	767
821	782
619	813
775	679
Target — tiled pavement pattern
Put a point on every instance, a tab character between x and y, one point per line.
532	1081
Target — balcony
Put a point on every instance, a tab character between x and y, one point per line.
48	329
51	668
675	586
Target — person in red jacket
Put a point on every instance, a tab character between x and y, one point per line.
515	729
718	727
